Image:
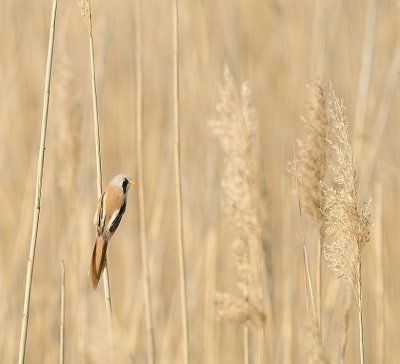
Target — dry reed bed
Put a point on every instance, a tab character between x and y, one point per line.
250	38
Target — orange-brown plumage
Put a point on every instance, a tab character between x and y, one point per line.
98	260
113	202
110	210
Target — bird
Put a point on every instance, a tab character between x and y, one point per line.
110	209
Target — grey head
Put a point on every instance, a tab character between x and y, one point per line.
123	182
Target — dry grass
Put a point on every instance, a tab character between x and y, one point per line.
267	44
235	127
312	166
346	222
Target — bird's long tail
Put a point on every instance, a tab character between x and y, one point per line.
98	260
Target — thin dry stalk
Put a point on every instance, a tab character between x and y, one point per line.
345	322
382	118
380	324
309	290
347	223
210	272
139	163
360	318
365	77
246	352
62	315
36	209
178	186
312	166
315	353
287	316
85	8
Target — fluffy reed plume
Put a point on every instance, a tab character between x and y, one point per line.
235	127
312	157
36	209
311	169
347	222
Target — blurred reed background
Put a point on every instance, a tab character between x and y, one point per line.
278	47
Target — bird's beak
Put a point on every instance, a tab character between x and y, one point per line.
131	181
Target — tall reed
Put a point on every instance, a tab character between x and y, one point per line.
347	223
312	167
62	313
235	128
36	209
86	12
178	186
380	283
345	316
364	81
139	163
309	286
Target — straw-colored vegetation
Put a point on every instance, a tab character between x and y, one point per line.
257	281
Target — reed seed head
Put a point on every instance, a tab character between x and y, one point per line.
347	222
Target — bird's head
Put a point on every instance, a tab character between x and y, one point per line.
122	181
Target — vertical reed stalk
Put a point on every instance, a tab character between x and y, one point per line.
347	222
182	268
318	283
347	300
360	317
380	332
36	210
365	77
382	118
106	280
305	253
287	298
210	272
62	317
139	163
312	169
246	351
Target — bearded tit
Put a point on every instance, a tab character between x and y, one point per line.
110	209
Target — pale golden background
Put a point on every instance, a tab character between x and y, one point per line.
279	47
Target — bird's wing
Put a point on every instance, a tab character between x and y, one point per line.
116	218
99	217
113	206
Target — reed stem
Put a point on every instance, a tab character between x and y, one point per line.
305	253
246	339
36	209
380	314
62	317
318	284
360	317
106	279
178	187
139	163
